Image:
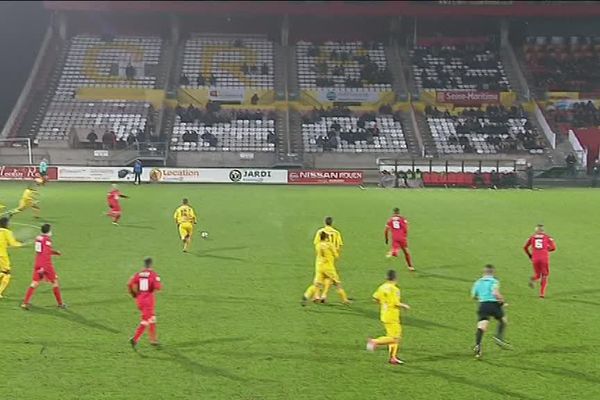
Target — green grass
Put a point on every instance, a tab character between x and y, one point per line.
229	316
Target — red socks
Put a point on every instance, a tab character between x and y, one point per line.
543	285
29	295
152	333
57	295
139	332
408	258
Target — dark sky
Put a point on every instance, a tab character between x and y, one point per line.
22	28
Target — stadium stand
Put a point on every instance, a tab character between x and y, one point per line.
103	62
458	64
227	61
561	63
484	131
350	65
215	129
340	130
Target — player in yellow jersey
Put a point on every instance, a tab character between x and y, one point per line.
185	218
326	254
387	296
335	238
29	199
7	240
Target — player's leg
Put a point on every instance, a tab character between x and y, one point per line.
36	210
144	323
56	290
394	249
545	271
30	291
326	286
183	236
4	280
335	279
314	290
482	327
537	274
395	331
152	330
407	256
502	323
189	229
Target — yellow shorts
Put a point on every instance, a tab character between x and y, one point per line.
393	329
185	230
25	204
4	264
327	273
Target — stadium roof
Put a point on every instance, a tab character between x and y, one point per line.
344	8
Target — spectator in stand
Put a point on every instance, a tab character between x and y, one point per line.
213	80
529	172
254	99
200	80
264	69
595	173
92	138
184	80
271	138
130	72
571	161
132	139
107	140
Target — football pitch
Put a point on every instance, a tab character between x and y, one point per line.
229	315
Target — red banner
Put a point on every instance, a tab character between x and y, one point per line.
467	98
325	177
8	173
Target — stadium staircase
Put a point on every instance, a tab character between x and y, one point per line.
279	73
293	87
399	84
289	146
513	72
410	134
428	141
404	62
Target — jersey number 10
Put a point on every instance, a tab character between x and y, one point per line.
143	285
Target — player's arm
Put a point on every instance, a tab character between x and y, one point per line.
386	233
474	292
404	305
157	283
405	226
377	296
497	294
194	219
11	241
176	216
317	239
132	286
526	247
551	245
121	195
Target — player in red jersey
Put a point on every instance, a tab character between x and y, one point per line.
44	269
398	225
142	287
113	198
538	248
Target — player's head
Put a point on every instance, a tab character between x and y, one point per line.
4	222
46	229
148	263
185	202
324	236
396	211
539	228
328	221
391	275
489	270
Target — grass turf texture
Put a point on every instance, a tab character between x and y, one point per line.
230	319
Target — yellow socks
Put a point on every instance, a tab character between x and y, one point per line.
393	350
4	281
343	295
310	292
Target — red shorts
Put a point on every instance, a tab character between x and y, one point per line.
146	309
115	209
541	267
399	244
44	274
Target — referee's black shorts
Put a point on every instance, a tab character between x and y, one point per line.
490	309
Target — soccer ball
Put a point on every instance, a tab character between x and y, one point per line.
204	234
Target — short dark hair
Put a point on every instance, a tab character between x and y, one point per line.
396	210
4	222
489	268
46	228
324	235
148	262
328	221
185	201
391	275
